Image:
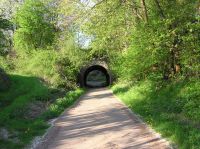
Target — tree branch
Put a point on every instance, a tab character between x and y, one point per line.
143	3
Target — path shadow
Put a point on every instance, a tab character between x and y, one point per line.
114	120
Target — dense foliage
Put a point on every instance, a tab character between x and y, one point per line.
5	25
35	25
154	46
151	46
163	35
44	44
36	50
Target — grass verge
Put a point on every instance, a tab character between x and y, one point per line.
61	104
171	108
25	109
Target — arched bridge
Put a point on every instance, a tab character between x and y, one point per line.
100	66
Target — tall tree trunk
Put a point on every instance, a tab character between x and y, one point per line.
143	3
136	12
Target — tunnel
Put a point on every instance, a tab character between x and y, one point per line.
94	76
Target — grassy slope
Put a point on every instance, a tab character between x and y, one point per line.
13	106
168	107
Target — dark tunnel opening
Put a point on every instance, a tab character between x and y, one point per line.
96	77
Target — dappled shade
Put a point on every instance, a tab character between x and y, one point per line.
99	120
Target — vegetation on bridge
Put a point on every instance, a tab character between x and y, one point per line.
152	48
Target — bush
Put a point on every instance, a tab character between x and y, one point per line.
35	28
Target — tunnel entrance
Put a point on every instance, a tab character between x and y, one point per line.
96	76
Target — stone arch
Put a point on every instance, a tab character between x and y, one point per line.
96	65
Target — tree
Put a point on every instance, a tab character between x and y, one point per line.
35	25
151	35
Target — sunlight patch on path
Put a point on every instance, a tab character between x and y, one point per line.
100	121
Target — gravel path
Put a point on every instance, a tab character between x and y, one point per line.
100	121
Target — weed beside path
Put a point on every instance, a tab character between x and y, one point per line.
26	107
169	108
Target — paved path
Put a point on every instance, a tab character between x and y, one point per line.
100	121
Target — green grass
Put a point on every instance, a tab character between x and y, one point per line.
171	108
23	89
61	104
13	107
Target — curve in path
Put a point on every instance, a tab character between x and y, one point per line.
100	121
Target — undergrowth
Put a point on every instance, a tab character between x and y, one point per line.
14	106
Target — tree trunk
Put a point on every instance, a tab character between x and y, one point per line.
136	12
143	3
